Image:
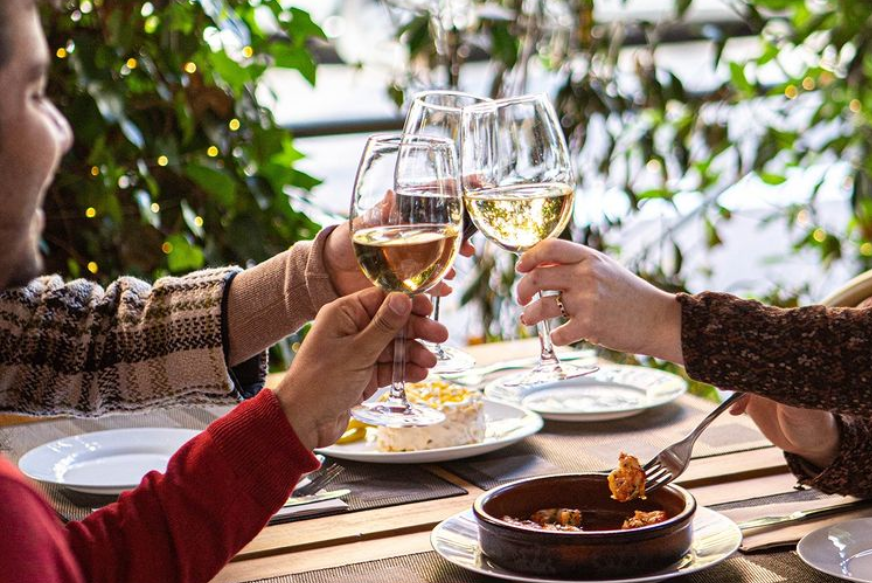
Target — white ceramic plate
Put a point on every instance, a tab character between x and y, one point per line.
842	550
613	392
715	537
104	462
506	424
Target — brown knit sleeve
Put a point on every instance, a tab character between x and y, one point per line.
849	473
813	357
277	297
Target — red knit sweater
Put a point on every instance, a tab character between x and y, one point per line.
182	526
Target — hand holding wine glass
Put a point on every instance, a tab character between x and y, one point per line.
406	220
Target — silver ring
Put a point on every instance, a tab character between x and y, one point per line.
559	299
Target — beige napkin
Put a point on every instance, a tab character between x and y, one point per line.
789	533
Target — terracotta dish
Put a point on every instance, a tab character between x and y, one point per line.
602	549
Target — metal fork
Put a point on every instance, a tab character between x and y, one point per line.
319	481
670	463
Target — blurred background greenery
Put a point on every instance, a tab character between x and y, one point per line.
178	163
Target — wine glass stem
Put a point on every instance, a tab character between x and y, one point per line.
440	354
547	356
398	384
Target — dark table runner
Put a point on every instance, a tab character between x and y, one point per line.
371	485
431	568
585	447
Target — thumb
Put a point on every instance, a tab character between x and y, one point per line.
389	320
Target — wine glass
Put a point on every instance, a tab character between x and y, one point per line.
518	187
438	113
406	223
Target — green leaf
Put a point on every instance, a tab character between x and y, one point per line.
740	81
772	179
302	27
190	218
213	181
183	255
681	7
504	44
290	57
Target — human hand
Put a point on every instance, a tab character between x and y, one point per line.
348	354
606	304
345	273
809	433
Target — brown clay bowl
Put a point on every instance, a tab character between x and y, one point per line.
589	554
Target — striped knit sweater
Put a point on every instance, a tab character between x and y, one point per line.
75	348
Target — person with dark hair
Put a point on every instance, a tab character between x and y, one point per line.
807	371
76	348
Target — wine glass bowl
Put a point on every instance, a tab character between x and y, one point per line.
406	222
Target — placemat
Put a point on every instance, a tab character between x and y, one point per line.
371	485
431	568
585	447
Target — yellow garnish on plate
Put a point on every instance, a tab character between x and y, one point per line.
352	435
356	431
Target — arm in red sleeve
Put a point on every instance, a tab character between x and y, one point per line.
33	546
218	492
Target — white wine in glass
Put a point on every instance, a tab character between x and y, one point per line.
518	188
406	221
438	113
406	258
518	217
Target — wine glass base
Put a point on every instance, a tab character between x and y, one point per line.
545	373
386	414
450	360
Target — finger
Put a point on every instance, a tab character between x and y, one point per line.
467	249
543	279
568	333
391	317
422	306
739	406
427	329
418	355
441	290
542	309
387	355
552	251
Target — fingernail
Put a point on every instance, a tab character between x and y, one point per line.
523	320
398	304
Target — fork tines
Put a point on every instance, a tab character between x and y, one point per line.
319	481
656	475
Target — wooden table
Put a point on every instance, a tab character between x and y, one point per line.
356	537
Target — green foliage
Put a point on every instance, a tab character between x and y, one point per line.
636	129
651	140
177	164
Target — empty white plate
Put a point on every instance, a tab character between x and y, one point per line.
104	462
613	392
842	550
